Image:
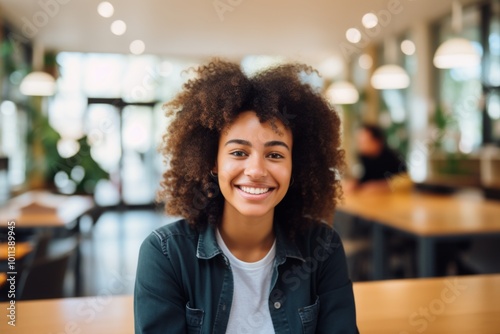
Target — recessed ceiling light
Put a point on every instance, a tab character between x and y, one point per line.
408	47
118	27
353	35
369	20
105	9
137	47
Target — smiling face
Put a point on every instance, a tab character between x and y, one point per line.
254	166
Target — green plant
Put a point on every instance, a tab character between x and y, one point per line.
44	160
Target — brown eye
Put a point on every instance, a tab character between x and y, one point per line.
238	153
275	156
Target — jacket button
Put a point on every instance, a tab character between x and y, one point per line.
277	305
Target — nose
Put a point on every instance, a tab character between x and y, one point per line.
255	168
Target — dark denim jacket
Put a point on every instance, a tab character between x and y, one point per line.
184	284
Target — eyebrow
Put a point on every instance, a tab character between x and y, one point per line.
267	144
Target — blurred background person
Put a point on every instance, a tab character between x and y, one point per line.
383	169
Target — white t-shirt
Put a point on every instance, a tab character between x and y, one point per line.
252	282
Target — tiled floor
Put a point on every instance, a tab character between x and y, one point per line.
111	247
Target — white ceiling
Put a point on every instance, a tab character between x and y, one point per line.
297	28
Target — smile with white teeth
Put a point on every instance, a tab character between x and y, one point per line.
254	191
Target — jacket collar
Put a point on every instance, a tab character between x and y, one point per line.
207	244
208	247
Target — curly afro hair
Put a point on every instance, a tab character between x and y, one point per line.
211	102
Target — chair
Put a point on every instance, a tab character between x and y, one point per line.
481	257
356	238
45	276
357	235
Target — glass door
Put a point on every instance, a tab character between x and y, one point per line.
123	137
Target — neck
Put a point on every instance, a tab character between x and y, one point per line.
248	238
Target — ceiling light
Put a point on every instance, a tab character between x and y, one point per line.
365	61
118	27
137	47
390	77
369	20
38	84
342	92
105	9
353	35
456	52
408	47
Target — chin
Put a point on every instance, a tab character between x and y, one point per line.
252	212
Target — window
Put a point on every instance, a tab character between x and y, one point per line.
14	64
115	100
460	91
491	73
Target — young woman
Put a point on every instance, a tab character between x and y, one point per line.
253	170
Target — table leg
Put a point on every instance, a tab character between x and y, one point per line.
78	260
426	254
78	271
379	252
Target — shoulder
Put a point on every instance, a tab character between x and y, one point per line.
318	228
318	235
178	228
178	232
392	159
388	153
322	254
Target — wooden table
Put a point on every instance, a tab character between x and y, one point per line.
45	210
3	279
452	305
467	304
22	249
427	217
92	315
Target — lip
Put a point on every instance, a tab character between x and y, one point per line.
254	197
254	185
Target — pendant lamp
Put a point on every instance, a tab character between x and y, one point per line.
456	52
390	76
342	92
38	83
